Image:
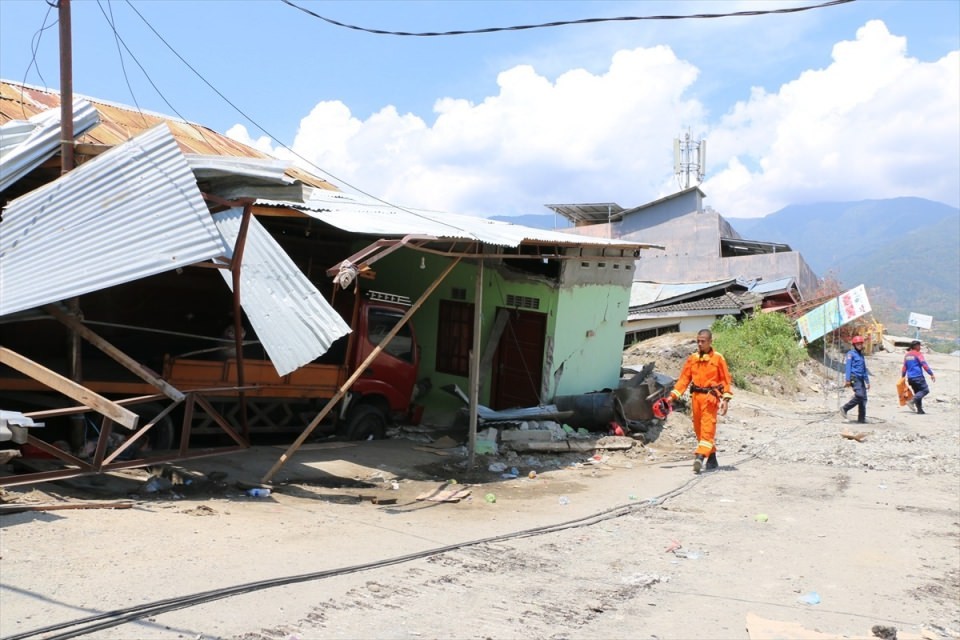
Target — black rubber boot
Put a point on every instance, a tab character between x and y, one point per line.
712	463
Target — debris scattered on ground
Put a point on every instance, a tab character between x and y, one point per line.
445	493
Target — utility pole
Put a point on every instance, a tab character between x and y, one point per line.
74	359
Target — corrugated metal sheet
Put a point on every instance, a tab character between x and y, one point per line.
293	321
363	214
26	144
119	123
268	170
642	293
132	212
773	286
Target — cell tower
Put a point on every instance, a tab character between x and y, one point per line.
689	159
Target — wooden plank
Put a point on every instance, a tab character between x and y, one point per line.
445	493
69	388
129	363
20	508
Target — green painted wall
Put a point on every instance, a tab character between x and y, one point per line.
589	363
588	340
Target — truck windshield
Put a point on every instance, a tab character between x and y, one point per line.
379	324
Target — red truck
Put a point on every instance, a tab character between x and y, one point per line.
382	394
153	331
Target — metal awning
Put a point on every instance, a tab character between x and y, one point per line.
368	216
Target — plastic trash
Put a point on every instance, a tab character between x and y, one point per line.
508	476
258	492
497	467
761	517
514	471
490	498
564	500
809	598
532	474
394	485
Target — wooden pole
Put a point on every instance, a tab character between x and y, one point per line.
356	374
475	362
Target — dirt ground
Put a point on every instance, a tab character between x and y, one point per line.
802	533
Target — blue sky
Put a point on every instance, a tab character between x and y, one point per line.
842	103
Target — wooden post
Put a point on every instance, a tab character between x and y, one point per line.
356	374
475	362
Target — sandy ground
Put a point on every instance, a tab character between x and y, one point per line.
802	534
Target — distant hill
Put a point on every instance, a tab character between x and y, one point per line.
537	220
905	250
828	232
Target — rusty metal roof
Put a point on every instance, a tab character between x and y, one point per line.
119	123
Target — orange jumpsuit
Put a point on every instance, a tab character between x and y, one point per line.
705	371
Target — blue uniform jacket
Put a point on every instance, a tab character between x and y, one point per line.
856	367
914	365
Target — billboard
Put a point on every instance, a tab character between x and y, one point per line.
834	313
920	321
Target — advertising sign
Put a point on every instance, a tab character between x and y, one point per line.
834	313
920	321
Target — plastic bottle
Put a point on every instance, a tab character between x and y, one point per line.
564	500
258	492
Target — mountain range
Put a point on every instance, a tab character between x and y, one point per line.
905	250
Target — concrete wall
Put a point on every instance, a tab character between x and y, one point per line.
688	323
692	247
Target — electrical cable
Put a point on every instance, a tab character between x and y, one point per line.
561	23
34	48
123	67
117	617
152	83
279	142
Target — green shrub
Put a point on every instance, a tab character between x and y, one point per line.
761	344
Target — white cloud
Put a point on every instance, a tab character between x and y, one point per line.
875	123
580	137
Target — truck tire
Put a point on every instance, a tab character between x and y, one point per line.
161	436
366	422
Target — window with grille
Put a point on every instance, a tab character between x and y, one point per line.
522	302
454	337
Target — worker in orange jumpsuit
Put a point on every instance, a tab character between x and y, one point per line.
708	377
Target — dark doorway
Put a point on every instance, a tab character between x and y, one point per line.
518	363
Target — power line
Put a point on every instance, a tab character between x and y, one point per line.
123	67
34	48
149	79
562	23
273	137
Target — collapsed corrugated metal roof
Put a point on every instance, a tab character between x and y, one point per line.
366	215
26	144
293	321
132	212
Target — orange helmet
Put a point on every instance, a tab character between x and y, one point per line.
857	340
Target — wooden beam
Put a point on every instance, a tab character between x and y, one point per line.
129	363
358	372
69	388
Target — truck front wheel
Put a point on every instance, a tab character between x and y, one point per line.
366	422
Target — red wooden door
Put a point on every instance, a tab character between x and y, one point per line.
518	363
